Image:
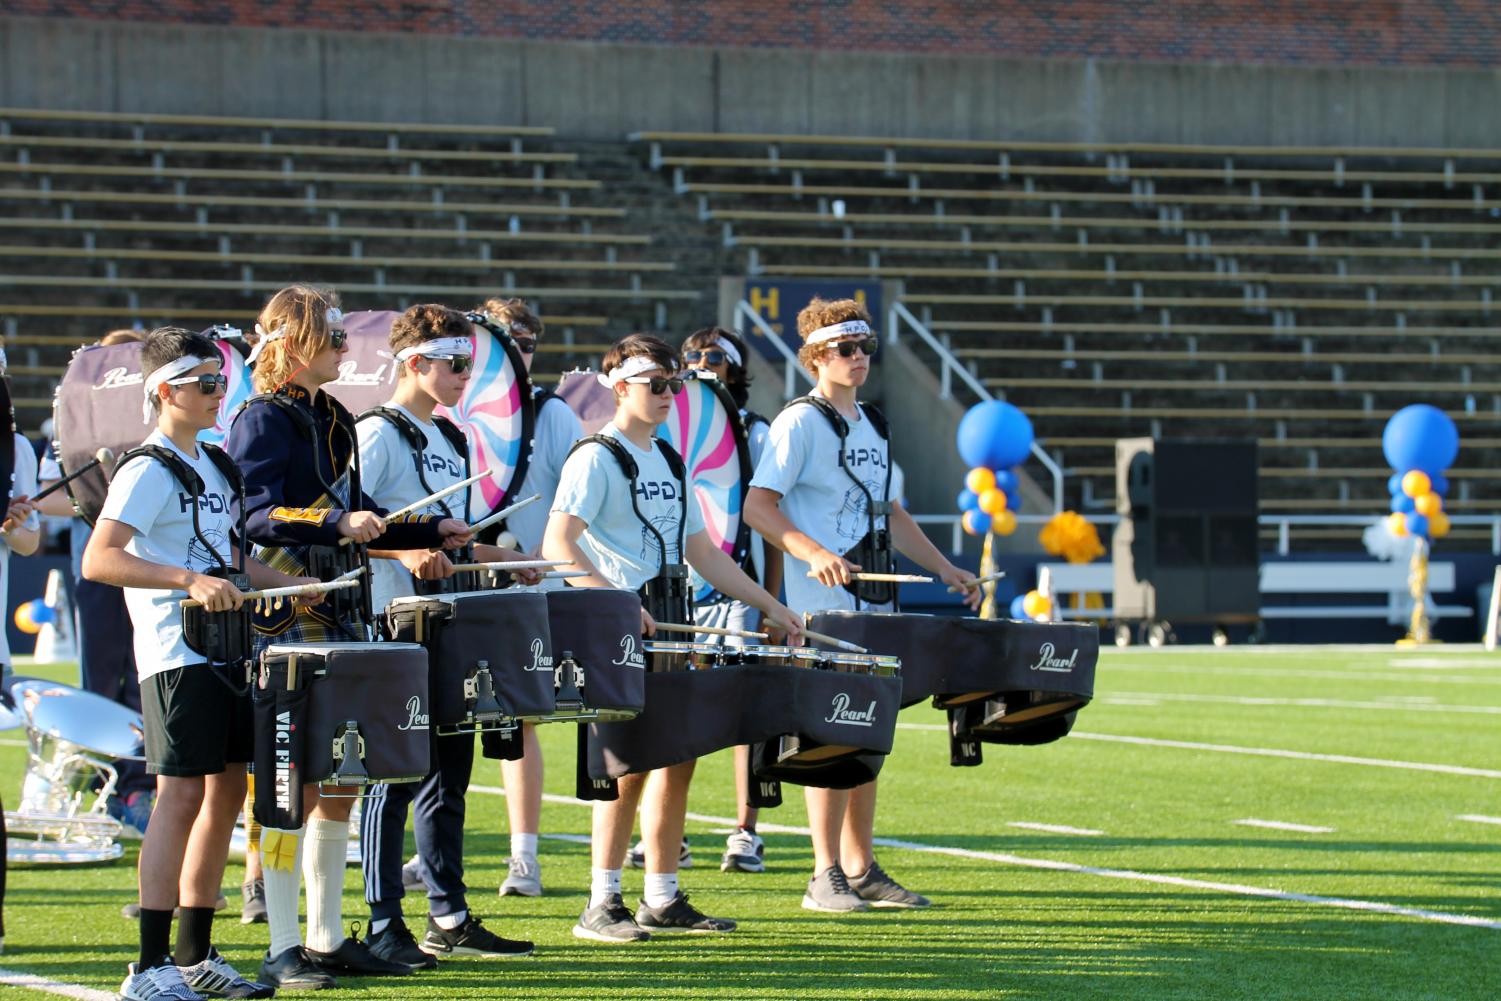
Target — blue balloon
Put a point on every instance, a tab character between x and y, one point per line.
1019	607
967	500
1417	524
41	612
1420	437
1403	504
1394	485
994	434
1439	484
1014	502
979	521
1005	480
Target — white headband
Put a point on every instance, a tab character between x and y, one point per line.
634	365
838	330
517	327
443	347
332	316
171	370
729	351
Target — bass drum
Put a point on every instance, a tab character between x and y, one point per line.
593	403
98	405
496	412
705	429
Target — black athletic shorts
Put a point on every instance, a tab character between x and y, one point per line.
194	724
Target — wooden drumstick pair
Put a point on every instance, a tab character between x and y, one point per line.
417	505
339	583
885	578
673	627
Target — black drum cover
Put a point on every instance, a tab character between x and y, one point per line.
1036	669
508	631
382	687
7	447
599	629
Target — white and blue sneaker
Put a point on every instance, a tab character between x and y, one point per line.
215	978
162	982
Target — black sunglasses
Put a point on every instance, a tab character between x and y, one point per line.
458	364
657	384
867	345
208	385
526	345
713	356
337	337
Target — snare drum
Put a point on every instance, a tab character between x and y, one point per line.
600	665
366	716
489	655
665	655
776	656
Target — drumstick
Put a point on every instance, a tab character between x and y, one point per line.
103	457
503	514
673	627
339	583
511	565
834	641
425	501
989	578
564	574
886	578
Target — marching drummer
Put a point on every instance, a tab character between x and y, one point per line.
198	729
816	495
721	352
296	445
625	531
408	453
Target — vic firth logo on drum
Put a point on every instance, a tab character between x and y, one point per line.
1047	660
540	660
284	783
416	718
629	655
846	716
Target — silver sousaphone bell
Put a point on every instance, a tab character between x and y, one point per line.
72	739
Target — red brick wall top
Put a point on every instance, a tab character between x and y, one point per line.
1460	33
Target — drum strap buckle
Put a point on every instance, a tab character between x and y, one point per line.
479	692
349	756
568	680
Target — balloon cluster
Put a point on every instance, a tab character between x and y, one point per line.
1069	535
1032	605
1419	442
994	437
31	616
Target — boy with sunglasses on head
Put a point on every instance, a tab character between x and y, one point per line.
557	428
158	538
822	494
634	532
722	353
407	453
297	447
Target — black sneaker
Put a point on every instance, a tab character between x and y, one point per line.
294	970
253	902
470	939
354	957
679	915
610	922
395	943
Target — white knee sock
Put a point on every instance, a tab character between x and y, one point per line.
523	845
281	865
603	884
323	866
661	887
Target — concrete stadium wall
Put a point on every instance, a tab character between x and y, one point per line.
602	90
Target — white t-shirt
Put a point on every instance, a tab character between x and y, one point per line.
594	489
557	429
146	496
801	462
388	474
23	481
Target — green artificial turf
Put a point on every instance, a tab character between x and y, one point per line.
1000	928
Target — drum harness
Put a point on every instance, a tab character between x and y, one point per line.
666	596
222	637
873	552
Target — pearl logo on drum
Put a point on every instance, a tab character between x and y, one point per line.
845	716
541	661
416	718
1047	660
630	656
119	378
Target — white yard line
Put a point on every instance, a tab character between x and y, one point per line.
1005	858
1476	818
7	742
1273	752
1390	704
1028	825
1304	674
15	978
1282	825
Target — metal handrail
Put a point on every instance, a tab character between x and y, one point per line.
744	310
948	363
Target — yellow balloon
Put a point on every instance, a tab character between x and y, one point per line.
993	501
24	621
1438	525
1416	483
1004	523
1396	523
1036	604
980	480
1428	504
